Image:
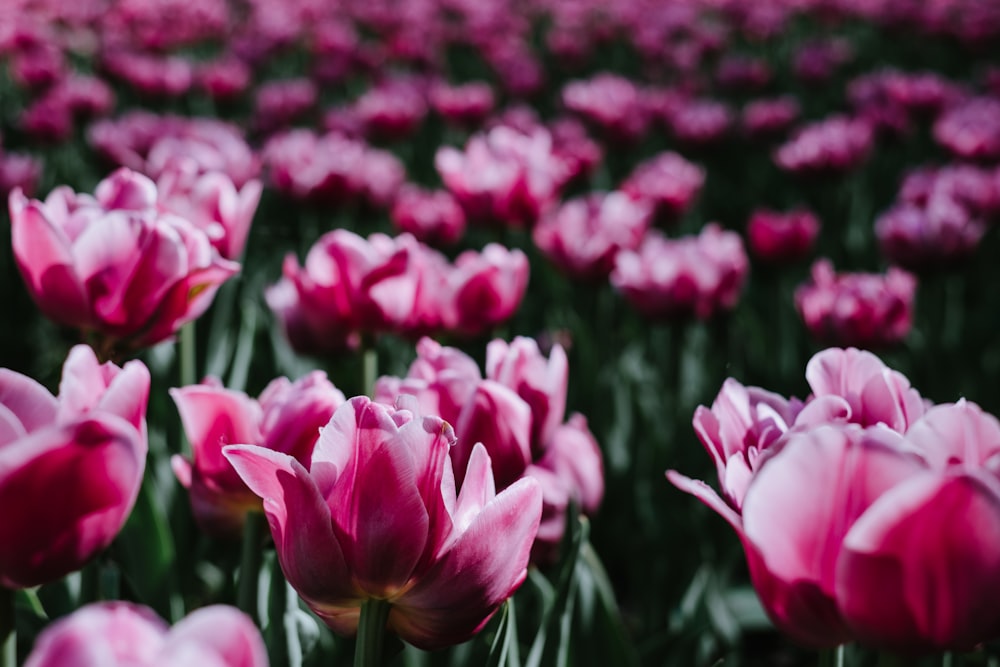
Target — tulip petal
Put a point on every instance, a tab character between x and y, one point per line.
457	596
920	569
29	402
44	256
222	631
500	419
310	555
214	417
76	484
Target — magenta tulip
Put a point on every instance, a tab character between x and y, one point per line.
831	146
485	289
782	237
286	418
122	634
114	263
862	309
376	515
73	464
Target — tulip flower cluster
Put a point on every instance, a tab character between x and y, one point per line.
866	513
351	286
516	414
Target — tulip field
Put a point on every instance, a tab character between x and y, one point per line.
504	333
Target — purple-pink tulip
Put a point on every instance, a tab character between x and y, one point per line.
516	412
583	235
782	237
72	464
695	276
433	216
122	634
286	418
865	515
115	263
376	515
668	182
971	130
831	146
862	309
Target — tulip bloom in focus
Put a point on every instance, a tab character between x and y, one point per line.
376	515
865	514
122	634
286	418
517	413
114	263
71	464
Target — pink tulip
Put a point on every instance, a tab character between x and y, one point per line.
433	216
516	414
862	309
583	236
280	103
767	118
376	515
941	234
782	237
541	383
212	203
73	464
485	289
286	418
831	146
668	182
114	263
610	102
693	276
504	176
971	130
122	634
466	105
392	111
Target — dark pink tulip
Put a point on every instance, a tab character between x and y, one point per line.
742	424
692	276
148	74
114	263
862	309
212	203
278	104
332	168
816	61
570	470
572	145
122	634
940	234
432	216
286	418
700	121
19	171
609	102
392	111
668	182
73	464
484	289
516	414
583	235
782	237
151	144
223	78
834	145
540	382
742	73
505	176
974	189
348	285
376	514
971	129
466	105
441	379
768	118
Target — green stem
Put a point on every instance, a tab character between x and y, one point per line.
189	371
250	561
8	633
369	368
371	628
832	657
